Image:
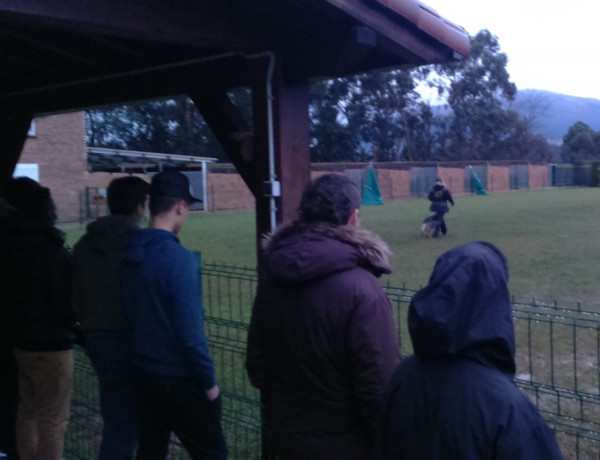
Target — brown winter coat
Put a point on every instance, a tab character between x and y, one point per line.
322	343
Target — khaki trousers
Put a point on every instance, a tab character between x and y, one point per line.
45	386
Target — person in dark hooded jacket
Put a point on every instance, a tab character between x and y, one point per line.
455	398
96	300
439	196
35	275
322	343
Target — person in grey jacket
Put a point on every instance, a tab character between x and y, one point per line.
322	343
96	301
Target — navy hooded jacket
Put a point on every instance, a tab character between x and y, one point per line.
455	397
161	297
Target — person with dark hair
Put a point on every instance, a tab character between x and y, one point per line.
35	270
127	196
96	301
322	343
439	196
161	297
455	398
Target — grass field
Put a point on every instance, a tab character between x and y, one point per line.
550	237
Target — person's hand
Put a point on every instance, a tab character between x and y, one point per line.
213	393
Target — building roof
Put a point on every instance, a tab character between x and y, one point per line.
67	54
114	160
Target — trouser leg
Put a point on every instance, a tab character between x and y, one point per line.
45	387
111	360
186	411
154	430
56	405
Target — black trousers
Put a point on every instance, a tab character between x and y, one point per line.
439	216
177	405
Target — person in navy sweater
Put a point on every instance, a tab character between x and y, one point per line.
161	297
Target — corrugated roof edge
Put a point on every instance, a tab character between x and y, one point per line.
429	21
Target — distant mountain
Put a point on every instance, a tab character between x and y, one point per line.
553	114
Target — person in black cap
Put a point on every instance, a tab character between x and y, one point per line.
161	298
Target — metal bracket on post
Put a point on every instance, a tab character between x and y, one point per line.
272	189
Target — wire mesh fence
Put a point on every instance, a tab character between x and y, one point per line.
558	367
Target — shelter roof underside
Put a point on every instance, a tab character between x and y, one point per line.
68	54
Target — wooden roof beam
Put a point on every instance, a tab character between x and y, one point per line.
226	71
175	21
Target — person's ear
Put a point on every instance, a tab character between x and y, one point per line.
180	207
354	219
140	211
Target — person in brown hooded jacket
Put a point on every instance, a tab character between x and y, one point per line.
322	343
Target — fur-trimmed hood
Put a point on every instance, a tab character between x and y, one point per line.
300	252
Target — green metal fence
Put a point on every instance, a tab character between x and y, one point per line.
558	365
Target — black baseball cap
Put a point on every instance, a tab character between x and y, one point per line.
175	184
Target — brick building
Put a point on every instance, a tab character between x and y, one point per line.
55	153
56	149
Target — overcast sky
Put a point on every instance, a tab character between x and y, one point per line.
552	45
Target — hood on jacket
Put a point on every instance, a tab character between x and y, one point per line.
135	248
437	187
105	233
465	309
22	228
301	252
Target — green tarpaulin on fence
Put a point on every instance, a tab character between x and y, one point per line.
479	190
371	193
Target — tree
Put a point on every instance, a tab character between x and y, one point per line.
477	89
580	144
164	126
378	112
520	143
333	134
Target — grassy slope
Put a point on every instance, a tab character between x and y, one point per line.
550	238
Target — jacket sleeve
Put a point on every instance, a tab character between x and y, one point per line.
449	197
77	288
60	283
187	316
526	435
255	360
375	352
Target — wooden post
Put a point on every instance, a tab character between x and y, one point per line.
291	132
